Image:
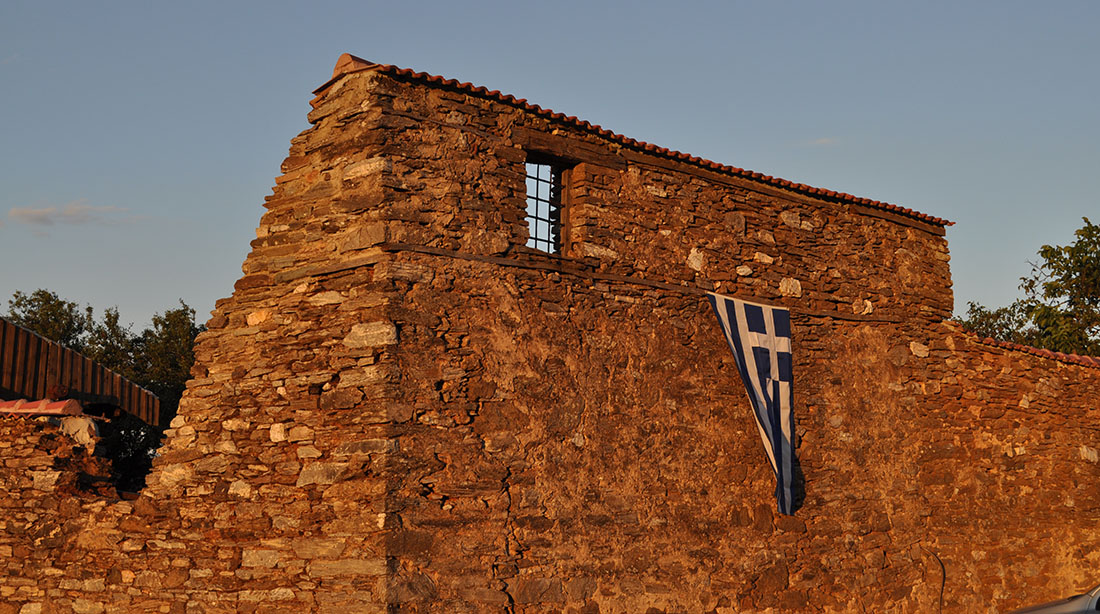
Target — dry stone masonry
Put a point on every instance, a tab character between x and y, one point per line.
403	409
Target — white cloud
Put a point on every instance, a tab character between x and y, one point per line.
77	212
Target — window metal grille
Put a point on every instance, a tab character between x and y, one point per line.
544	187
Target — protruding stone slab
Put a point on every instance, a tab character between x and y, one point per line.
371	334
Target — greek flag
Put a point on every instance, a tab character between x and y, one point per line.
760	337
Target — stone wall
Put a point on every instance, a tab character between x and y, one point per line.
1008	467
977	454
52	501
403	409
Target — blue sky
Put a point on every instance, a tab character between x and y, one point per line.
140	138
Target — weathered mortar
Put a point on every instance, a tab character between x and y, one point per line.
401	409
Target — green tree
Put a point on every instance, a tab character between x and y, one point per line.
1010	323
164	355
1060	310
51	316
111	344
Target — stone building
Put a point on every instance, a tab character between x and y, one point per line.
411	404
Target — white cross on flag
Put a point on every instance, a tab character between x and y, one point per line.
760	337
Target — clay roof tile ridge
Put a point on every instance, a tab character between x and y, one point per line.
1081	359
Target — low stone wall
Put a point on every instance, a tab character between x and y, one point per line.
53	502
1009	468
977	454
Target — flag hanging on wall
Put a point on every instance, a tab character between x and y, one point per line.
760	337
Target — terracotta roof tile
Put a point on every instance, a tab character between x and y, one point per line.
44	407
348	64
1077	359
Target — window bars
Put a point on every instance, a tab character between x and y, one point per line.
544	188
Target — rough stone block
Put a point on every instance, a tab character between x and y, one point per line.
251	557
346	567
318	547
371	334
788	286
320	473
536	590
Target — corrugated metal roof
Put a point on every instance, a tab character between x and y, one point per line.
33	367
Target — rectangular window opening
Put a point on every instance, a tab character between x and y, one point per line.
544	205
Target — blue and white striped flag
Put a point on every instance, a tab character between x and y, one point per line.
760	337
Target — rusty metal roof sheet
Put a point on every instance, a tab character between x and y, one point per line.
33	367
